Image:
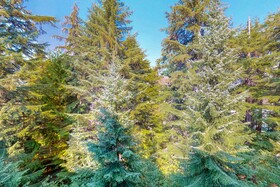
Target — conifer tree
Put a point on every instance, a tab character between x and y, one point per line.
113	152
100	40
37	127
77	155
212	109
105	29
72	27
18	35
261	62
144	105
97	41
105	35
186	21
19	46
119	165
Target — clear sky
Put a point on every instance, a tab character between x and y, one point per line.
148	17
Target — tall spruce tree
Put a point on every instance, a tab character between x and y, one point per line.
77	155
105	29
19	46
212	111
101	39
106	35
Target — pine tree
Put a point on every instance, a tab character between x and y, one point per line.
212	112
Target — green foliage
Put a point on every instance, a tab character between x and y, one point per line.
10	175
142	80
187	20
260	57
36	128
211	109
119	165
73	28
18	35
203	169
189	122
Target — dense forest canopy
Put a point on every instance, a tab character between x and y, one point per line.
93	112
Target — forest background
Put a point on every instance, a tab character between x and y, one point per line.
93	112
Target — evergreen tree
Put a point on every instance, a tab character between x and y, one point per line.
115	156
77	155
72	27
18	35
105	30
19	46
100	39
105	36
261	60
212	109
119	165
186	22
37	127
144	105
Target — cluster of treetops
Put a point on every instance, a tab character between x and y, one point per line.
96	114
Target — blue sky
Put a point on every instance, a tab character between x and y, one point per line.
148	17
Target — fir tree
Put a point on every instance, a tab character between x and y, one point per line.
37	127
119	165
261	80
105	29
114	154
18	35
145	104
72	27
18	41
186	21
212	109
